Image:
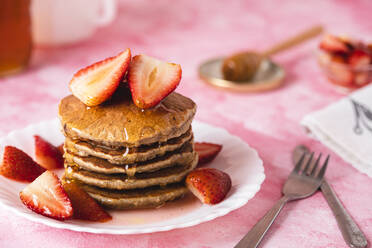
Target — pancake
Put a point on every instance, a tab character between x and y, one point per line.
126	155
119	122
182	155
139	198
164	176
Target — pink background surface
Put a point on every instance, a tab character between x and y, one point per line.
188	32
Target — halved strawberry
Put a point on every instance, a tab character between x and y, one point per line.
85	207
151	80
361	78
341	75
332	43
47	155
369	47
19	166
97	82
339	71
208	184
359	59
60	149
206	151
339	59
46	196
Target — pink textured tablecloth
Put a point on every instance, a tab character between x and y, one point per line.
188	32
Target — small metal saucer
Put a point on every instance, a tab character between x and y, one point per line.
269	76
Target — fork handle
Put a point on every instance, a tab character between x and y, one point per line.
353	236
255	235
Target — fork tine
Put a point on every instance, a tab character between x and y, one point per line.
299	163
308	163
316	165
323	169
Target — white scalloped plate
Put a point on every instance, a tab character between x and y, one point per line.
239	160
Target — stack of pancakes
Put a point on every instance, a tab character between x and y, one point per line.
126	157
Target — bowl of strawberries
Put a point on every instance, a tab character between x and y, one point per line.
347	63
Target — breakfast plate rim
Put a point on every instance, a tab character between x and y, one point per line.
243	194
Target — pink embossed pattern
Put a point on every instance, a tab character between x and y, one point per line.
187	32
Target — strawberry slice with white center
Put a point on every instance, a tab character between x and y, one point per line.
85	207
60	149
19	166
151	80
359	59
332	43
206	151
47	155
361	78
208	184
47	197
341	75
339	71
96	83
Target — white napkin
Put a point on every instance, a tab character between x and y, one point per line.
346	128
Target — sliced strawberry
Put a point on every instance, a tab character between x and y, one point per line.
341	75
332	43
336	58
206	151
85	207
208	184
96	83
339	72
60	149
47	155
19	166
151	80
46	196
369	48
361	78
359	59
350	43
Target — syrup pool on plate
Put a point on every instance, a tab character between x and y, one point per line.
170	210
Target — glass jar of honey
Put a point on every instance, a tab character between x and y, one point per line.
15	35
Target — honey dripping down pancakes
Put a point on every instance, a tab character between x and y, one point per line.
128	144
127	157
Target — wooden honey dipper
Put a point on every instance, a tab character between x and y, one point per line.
242	66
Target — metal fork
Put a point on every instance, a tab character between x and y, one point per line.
352	234
301	183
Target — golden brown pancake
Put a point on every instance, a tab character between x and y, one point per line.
151	197
164	176
182	155
119	122
126	155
